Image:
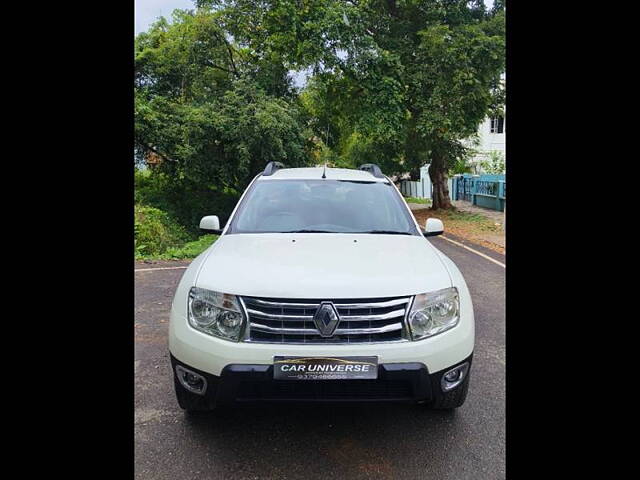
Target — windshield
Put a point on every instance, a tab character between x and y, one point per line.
322	206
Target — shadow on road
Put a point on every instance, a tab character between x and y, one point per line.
348	440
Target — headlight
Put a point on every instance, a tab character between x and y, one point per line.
433	313
215	313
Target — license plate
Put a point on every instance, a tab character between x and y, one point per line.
325	368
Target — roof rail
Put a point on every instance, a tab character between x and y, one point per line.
372	168
271	168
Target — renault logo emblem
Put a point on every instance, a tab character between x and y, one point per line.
326	319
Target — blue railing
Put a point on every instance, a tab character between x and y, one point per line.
462	187
488	191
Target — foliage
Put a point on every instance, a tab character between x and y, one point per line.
183	199
158	235
155	231
212	112
401	83
460	165
189	249
398	83
495	163
424	201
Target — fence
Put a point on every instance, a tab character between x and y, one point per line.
422	188
419	189
462	187
488	191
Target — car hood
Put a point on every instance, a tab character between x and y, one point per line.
318	266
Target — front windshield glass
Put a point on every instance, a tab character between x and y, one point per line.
318	206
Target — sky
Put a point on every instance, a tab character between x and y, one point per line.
148	11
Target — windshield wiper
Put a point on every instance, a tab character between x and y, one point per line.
388	232
307	230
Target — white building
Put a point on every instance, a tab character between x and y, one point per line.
492	135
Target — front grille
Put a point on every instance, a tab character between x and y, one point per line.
325	390
291	320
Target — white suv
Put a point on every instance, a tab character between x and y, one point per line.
321	287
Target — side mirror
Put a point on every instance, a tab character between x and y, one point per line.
433	227
211	223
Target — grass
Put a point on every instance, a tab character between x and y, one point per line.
457	219
471	226
425	201
185	252
155	231
479	221
159	236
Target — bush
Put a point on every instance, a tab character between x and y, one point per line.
460	166
190	249
155	231
182	199
495	164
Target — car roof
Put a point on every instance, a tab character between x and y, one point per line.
315	173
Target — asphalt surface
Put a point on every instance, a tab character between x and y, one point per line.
354	441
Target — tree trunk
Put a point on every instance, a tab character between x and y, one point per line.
440	194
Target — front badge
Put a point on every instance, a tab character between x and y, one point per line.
326	319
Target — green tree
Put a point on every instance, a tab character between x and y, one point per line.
212	112
400	82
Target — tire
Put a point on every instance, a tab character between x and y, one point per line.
452	399
190	402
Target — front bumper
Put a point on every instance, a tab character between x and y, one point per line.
396	382
212	355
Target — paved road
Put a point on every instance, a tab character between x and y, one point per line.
322	441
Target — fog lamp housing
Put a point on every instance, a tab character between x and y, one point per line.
454	377
192	381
